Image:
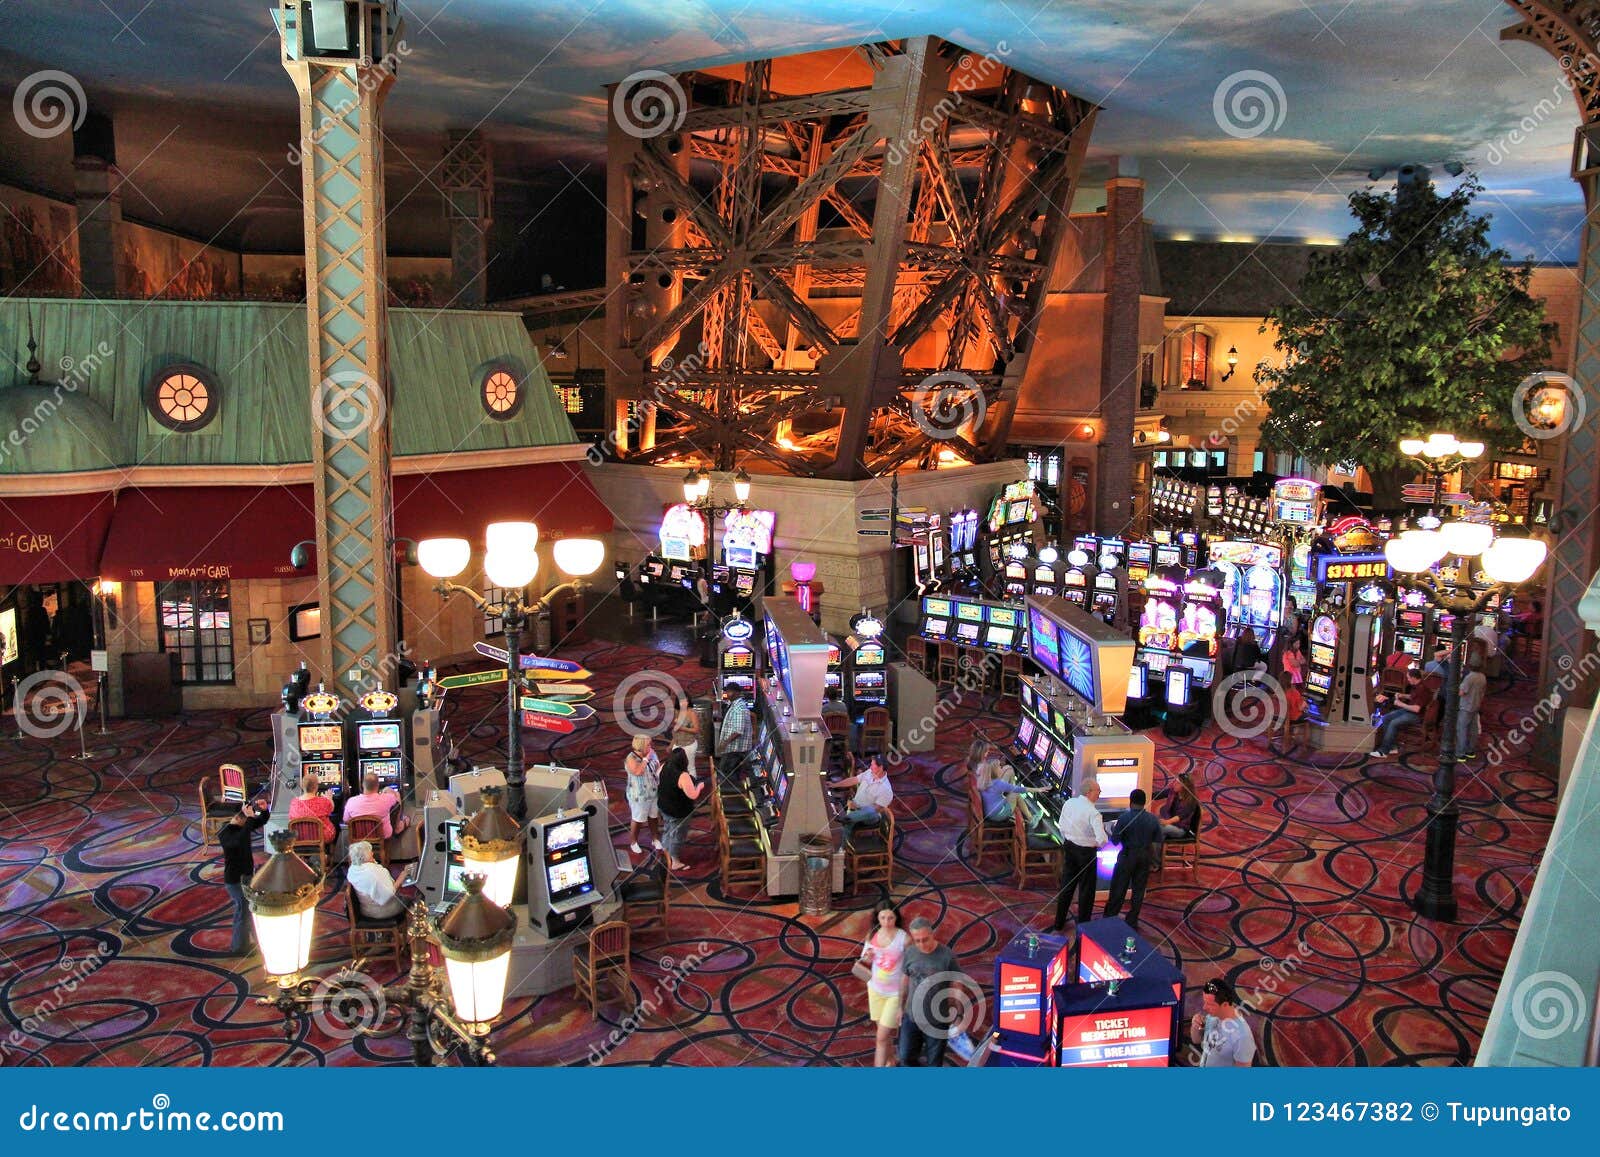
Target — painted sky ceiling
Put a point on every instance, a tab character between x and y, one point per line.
1247	118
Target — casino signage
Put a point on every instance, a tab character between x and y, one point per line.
1353	568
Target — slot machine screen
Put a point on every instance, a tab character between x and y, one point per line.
452	879
1200	669
1025	730
968	632
321	737
329	773
969	612
1016	572
1041	746
1322	655
1138	680
738	659
452	835
935	628
387	771
922	558
742	556
384	736
1004	616
835	656
936	608
1178	686
1168	555
1410	645
1019	511
1047	574
559	837
1000	637
1058	763
1045	645
744	583
832	681
869	655
655	568
568	878
780	786
1026	696
1139	554
1319	681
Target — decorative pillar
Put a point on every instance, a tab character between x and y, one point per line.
1120	358
97	188
467	178
342	56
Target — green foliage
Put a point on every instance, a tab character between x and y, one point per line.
1415	324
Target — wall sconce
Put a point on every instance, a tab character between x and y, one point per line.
1233	362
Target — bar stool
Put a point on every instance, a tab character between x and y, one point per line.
949	662
1033	853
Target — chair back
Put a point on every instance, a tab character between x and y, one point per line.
875	719
308	836
608	942
233	782
206	798
838	724
366	828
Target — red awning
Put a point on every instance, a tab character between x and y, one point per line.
159	533
460	503
53	538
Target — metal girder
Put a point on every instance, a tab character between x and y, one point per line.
855	195
341	96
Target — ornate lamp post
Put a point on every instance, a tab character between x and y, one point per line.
510	561
475	938
1506	562
491	845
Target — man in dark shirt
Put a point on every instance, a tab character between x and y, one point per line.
1138	832
239	864
925	1021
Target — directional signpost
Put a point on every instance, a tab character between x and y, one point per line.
544	722
472	679
577	712
549	668
566	692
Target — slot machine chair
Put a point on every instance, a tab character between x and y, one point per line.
1188	847
605	954
869	853
214	811
838	735
375	939
309	843
369	829
1011	673
645	895
1034	852
949	668
741	859
875	737
985	835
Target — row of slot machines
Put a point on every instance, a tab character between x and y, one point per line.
974	623
1057	744
1179	627
316	733
858	674
784	778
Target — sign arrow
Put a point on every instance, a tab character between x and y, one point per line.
472	679
531	662
549	707
570	692
490	651
538	720
575	676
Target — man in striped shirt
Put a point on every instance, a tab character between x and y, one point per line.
737	734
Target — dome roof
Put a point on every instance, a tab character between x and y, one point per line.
46	428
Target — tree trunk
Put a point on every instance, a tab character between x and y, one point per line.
1386	487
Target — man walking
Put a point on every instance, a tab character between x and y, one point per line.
1139	833
1083	834
736	735
926	1023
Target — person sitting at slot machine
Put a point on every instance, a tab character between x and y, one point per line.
996	787
379	803
1247	654
373	885
873	796
1083	834
1180	813
832	704
311	804
1140	834
1406	710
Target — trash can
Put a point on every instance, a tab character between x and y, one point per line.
703	709
816	875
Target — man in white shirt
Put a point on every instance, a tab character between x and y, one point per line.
1488	634
872	798
1221	1031
1083	834
374	887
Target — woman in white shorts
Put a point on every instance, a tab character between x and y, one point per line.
644	767
885	951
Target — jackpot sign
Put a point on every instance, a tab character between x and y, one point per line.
1353	568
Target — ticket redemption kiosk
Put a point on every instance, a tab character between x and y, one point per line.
1027	972
868	664
1121	1005
1343	667
736	654
788	761
1075	704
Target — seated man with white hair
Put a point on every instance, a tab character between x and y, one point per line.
374	887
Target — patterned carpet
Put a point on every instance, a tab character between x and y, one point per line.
113	921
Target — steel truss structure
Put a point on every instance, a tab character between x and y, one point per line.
837	282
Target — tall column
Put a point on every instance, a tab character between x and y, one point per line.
97	188
342	56
1120	358
467	178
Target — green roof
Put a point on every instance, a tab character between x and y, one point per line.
98	358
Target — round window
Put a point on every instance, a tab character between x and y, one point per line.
183	398
502	393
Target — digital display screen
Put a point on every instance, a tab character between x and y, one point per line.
1319	680
1167	556
1131	1038
1058	763
387	771
566	834
1019	511
1021	998
452	879
1000	637
1138	678
940	607
1410	645
869	655
1177	686
969	612
1026	695
321	737
832	680
452	835
1044	643
1116	786
383	736
329	773
742	556
568	876
1041	745
935	627
1003	616
967	632
1025	731
738	659
1322	655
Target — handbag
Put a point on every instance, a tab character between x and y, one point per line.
862	971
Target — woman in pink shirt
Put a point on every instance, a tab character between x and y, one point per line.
885	950
311	804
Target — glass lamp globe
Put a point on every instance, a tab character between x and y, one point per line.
802	572
475	938
491	845
579	557
703	488
522	537
1466	538
1471	449
444	558
1411	447
1513	560
510	570
283	897
741	485
1414	551
691	487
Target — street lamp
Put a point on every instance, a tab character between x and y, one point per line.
283	897
510	561
1506	562
491	845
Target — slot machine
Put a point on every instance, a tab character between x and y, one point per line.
1157	636
1189	544
1089	544
833	681
1113	553
1004	628
1075	579
1321	659
736	655
1105	601
379	744
1412	624
320	738
1168	555
869	678
1199	628
562	884
936	615
1014	579
969	624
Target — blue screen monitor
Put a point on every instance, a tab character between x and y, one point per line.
1178	687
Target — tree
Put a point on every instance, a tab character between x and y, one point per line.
1415	324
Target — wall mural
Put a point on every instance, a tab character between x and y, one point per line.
38	253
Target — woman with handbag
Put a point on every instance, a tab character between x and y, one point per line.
676	793
882	966
644	769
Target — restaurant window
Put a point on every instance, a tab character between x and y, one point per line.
502	394
197	626
1194	360
183	398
